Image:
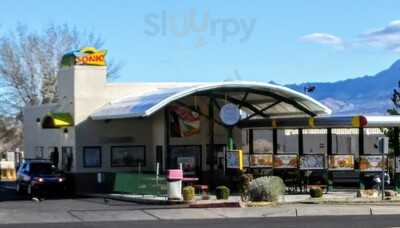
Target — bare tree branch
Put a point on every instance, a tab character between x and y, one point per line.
29	64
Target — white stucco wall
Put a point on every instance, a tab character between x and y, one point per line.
35	136
83	89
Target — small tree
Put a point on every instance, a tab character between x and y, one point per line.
393	111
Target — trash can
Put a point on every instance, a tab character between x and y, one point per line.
174	184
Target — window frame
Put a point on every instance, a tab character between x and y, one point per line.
127	146
100	156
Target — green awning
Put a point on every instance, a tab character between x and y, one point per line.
57	120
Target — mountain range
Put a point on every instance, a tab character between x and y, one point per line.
362	95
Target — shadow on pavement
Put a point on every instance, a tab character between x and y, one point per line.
8	193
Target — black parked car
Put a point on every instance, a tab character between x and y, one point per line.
38	177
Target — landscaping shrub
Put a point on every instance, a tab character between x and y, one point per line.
188	193
222	192
267	188
316	192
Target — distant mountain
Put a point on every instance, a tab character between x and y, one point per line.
366	95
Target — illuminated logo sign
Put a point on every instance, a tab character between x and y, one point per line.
85	56
229	114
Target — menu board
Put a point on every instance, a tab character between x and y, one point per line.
312	162
341	162
371	163
285	161
261	160
232	160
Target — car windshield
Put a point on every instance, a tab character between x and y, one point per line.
42	168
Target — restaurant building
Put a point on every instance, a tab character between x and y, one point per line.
100	127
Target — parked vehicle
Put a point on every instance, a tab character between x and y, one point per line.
39	177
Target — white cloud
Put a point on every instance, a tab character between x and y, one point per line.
322	38
387	37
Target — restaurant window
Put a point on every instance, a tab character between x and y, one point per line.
345	141
262	140
371	140
92	157
288	141
39	152
128	156
315	141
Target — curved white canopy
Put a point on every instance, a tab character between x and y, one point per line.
256	99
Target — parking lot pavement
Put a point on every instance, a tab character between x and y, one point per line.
287	222
15	208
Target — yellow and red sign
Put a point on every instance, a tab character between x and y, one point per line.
91	56
85	56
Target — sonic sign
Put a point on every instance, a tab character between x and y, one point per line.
85	56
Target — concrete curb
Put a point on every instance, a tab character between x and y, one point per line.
151	201
216	205
340	202
138	200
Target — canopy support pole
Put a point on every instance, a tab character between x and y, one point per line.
303	177
211	139
274	144
166	139
361	152
251	141
329	152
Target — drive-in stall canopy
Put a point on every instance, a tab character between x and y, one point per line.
257	100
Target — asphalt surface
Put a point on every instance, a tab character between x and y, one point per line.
309	222
22	211
9	199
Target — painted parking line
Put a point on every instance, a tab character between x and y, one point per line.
112	215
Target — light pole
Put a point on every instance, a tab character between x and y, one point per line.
309	89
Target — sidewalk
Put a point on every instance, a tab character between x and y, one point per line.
18	217
342	197
277	211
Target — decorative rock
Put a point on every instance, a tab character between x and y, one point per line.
368	193
390	193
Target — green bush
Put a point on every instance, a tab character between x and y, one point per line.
188	193
222	192
268	188
316	192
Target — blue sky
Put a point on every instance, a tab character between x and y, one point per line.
284	41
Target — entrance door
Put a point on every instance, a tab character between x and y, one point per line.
187	155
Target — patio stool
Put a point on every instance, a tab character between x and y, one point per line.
203	189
